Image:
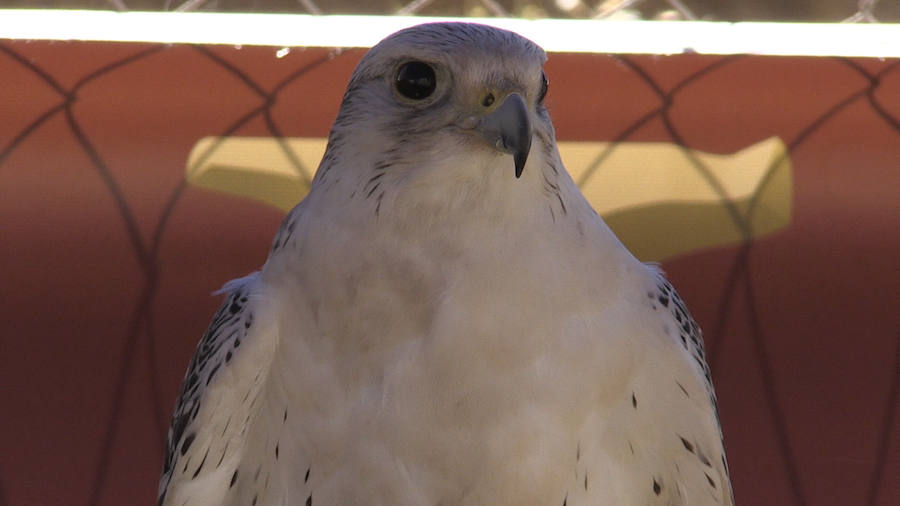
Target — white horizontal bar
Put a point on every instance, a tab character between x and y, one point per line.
556	35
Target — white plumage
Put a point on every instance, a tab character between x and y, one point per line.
432	329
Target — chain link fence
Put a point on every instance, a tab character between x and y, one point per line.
79	92
767	10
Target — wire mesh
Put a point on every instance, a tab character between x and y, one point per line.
870	11
739	286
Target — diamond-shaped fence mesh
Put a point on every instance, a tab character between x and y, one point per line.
106	249
744	10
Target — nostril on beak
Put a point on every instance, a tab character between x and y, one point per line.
508	128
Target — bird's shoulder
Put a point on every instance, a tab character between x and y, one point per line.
664	298
217	399
675	390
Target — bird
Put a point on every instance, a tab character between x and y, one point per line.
445	320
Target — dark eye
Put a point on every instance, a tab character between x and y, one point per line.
544	84
415	80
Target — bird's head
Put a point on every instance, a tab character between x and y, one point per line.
444	95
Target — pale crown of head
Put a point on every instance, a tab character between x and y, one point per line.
475	68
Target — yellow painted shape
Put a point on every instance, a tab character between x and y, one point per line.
663	199
276	172
660	198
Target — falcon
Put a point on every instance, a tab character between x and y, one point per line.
444	319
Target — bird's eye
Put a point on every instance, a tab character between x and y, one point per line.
415	80
544	84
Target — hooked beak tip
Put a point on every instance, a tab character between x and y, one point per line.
509	129
520	158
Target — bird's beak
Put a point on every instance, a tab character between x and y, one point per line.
508	128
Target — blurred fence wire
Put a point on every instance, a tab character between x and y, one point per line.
865	92
868	11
